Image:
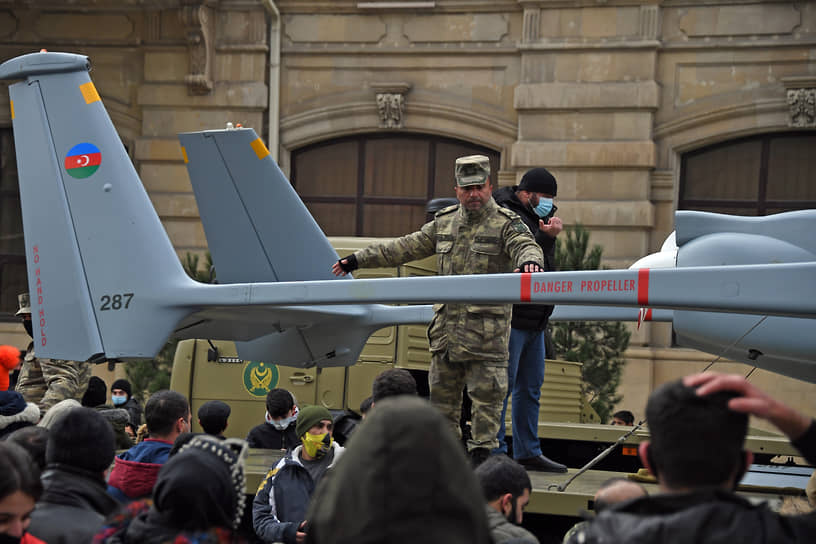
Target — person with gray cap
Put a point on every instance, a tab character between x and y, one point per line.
468	341
46	382
279	508
75	502
531	199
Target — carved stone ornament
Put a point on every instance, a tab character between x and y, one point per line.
198	25
390	106
802	103
391	102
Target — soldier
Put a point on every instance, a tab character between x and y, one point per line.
468	341
48	381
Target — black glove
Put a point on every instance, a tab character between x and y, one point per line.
525	263
351	265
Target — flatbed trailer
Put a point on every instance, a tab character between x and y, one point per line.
578	495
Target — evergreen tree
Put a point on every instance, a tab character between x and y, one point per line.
598	345
150	375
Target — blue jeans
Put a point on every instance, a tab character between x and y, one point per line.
525	374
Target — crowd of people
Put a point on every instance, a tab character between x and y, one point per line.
405	473
401	476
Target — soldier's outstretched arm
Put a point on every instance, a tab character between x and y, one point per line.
417	245
522	248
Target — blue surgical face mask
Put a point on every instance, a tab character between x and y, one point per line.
282	424
544	207
118	400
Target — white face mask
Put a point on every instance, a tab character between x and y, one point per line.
282	424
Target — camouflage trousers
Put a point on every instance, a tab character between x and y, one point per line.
46	382
486	384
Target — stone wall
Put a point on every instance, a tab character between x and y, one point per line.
161	67
607	94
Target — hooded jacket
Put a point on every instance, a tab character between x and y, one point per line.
281	503
710	516
404	479
135	471
530	316
704	517
137	524
73	506
16	413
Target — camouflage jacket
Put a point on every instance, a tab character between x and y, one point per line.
46	382
488	241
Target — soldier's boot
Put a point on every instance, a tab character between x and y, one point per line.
541	464
478	456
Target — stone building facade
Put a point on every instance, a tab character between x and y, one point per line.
610	95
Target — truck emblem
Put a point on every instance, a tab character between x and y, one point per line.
260	377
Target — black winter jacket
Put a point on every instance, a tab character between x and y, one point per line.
73	506
710	516
702	517
268	437
530	316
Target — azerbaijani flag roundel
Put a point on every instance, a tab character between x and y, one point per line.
83	160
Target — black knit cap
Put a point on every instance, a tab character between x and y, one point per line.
202	486
539	180
81	438
96	394
213	416
124	385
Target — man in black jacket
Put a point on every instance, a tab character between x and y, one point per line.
698	427
75	502
277	432
532	200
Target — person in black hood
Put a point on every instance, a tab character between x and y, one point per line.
187	507
119	419
405	479
75	501
698	427
532	200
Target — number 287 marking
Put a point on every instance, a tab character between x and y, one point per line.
116	302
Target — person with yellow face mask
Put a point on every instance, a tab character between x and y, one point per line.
279	508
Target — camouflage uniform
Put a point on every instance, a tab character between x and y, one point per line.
49	381
468	341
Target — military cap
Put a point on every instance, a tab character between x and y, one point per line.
472	170
24	303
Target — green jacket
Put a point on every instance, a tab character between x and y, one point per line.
492	240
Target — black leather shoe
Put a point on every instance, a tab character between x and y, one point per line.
479	456
541	464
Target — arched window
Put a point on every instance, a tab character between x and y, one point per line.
758	175
12	248
378	185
